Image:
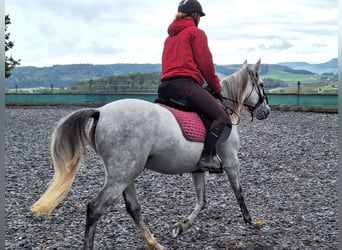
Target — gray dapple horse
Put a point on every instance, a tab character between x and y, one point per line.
116	130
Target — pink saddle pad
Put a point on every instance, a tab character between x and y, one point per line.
191	124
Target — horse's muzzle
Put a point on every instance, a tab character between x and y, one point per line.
262	111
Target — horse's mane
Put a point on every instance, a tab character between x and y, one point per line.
233	87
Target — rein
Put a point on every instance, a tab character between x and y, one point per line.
232	110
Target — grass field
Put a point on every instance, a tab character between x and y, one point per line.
309	84
291	78
307	89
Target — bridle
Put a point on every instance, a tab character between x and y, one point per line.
255	86
259	89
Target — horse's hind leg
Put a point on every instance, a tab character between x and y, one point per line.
133	208
199	183
96	208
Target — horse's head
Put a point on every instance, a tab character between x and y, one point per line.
255	98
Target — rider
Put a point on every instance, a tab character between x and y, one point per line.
186	63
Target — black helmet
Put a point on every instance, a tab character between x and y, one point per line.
190	6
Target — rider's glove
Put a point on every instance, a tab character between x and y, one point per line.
219	96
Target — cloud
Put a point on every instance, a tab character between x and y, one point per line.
274	45
319	45
49	32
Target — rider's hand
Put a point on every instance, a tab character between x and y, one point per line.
219	96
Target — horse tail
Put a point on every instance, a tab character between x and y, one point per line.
68	144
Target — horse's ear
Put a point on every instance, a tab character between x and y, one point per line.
257	66
245	65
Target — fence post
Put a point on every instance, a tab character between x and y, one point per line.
298	92
51	88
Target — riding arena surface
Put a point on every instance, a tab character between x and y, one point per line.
288	175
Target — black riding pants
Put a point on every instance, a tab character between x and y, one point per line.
199	97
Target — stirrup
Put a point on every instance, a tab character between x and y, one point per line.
213	164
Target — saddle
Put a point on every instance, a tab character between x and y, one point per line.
193	124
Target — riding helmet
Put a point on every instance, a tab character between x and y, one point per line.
190	6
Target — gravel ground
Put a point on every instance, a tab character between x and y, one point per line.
288	174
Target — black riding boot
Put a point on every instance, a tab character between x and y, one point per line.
209	160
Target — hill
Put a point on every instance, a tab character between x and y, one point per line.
327	67
65	75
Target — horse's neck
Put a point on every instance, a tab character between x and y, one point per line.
234	87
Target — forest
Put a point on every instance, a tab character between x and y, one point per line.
138	82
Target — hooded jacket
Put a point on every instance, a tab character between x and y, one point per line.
186	54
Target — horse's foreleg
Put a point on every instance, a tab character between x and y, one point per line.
199	183
133	208
95	209
234	179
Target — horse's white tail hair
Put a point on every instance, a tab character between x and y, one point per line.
68	144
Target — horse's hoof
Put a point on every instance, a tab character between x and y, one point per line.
257	224
159	247
177	230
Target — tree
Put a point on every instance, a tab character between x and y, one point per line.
10	63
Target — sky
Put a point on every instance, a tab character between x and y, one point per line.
50	32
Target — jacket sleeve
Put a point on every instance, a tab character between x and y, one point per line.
204	60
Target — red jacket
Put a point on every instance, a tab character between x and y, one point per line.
186	53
